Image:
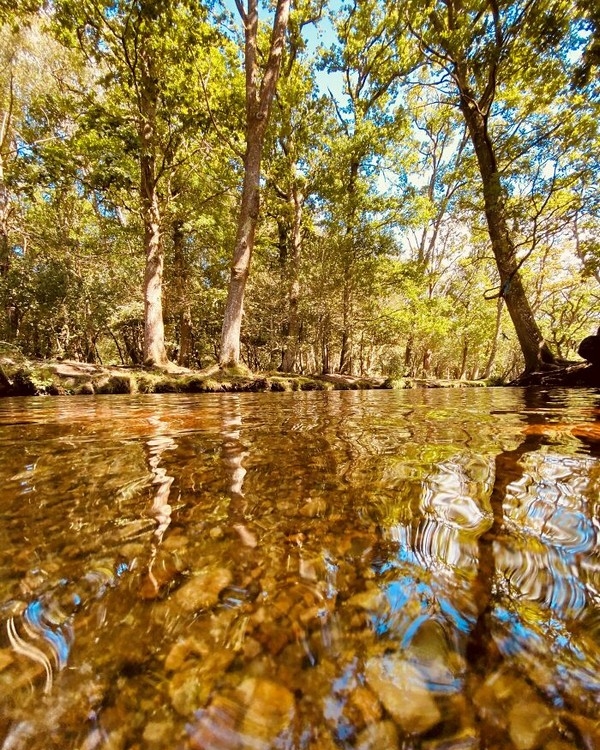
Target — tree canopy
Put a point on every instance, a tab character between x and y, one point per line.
368	188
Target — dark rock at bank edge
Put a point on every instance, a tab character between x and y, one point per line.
580	375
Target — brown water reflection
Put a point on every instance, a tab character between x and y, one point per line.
312	570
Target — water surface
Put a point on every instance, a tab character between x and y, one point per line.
414	569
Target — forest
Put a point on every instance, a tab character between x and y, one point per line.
363	187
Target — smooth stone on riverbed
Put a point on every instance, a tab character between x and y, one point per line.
401	689
529	723
380	736
202	590
270	709
190	688
255	716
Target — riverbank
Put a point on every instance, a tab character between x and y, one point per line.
20	376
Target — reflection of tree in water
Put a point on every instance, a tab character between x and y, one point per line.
532	594
507	470
76	591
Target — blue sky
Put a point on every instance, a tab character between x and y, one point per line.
318	35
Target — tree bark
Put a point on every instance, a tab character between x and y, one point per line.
4	210
293	327
463	360
495	341
154	332
5	140
11	310
184	312
535	350
259	98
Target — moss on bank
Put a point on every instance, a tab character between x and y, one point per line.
23	377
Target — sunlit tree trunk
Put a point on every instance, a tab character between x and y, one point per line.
293	323
259	97
345	365
11	312
4	209
495	340
154	332
463	361
473	48
324	333
182	304
535	350
5	139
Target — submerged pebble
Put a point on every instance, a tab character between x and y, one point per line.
401	689
202	590
252	717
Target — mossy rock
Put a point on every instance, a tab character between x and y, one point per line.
237	371
312	385
280	385
55	389
85	389
260	385
145	384
113	384
195	385
342	386
396	384
245	386
23	383
166	385
201	385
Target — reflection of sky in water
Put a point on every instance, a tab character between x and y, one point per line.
436	561
548	529
548	515
58	637
542	593
376	515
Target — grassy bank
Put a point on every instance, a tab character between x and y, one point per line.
27	377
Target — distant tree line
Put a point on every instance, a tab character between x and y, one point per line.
400	188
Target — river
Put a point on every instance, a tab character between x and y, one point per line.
382	569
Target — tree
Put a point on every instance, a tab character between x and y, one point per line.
479	45
32	66
260	91
590	62
147	56
371	60
299	121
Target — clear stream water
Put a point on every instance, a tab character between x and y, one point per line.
381	569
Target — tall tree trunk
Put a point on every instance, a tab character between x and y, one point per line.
244	246
5	142
345	366
259	97
534	348
495	341
11	326
349	258
293	326
4	211
463	360
154	331
183	308
325	326
11	310
408	356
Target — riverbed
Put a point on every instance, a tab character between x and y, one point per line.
344	569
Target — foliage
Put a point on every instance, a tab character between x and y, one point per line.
372	252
